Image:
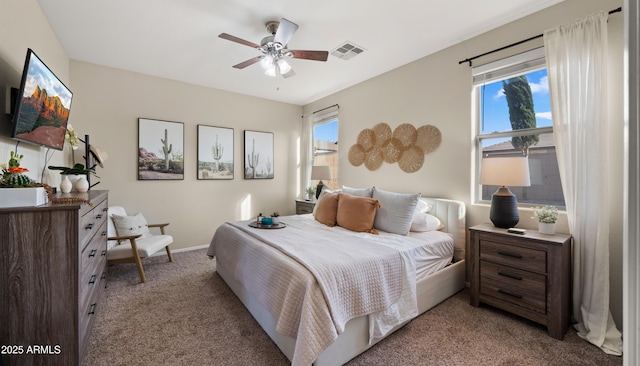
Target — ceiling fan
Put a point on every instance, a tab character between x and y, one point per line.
274	49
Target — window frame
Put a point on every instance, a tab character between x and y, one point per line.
320	120
520	64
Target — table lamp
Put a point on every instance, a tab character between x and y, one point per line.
320	172
505	171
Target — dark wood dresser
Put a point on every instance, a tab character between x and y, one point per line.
525	274
52	276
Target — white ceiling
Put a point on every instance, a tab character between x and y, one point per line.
178	39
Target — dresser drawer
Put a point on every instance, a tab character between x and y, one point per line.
93	261
86	317
522	288
524	258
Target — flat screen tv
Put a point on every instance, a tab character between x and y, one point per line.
42	107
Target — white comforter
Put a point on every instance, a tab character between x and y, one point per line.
322	277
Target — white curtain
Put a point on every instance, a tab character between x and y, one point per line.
577	63
306	154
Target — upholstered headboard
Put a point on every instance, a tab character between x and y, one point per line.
452	214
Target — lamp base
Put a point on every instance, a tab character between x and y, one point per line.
319	189
504	209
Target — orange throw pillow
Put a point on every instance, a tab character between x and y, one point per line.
326	209
357	213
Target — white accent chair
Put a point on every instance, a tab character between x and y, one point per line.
133	248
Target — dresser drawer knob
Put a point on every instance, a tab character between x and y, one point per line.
89	226
104	275
104	252
509	293
92	309
98	216
509	254
92	280
92	253
507	274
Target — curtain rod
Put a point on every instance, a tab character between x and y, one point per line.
331	106
516	43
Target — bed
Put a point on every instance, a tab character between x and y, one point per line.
314	318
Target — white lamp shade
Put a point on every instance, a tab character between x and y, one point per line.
320	172
505	171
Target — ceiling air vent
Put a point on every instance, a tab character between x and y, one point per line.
347	50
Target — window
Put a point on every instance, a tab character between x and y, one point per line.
513	117
325	145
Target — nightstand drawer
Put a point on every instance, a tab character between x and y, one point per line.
304	207
524	258
522	288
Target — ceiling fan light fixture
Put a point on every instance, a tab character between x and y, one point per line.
267	62
284	66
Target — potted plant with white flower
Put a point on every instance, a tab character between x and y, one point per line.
547	217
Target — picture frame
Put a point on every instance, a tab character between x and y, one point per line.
258	155
215	153
160	150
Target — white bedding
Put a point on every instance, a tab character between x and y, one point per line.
288	291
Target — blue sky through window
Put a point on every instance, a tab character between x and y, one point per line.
326	132
495	110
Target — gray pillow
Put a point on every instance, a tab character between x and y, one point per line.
362	192
396	211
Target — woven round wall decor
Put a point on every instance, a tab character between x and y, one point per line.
406	145
373	158
382	132
367	139
411	160
356	155
406	134
392	151
429	138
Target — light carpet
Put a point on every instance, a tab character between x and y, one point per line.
186	315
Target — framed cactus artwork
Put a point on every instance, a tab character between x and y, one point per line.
215	152
258	155
160	150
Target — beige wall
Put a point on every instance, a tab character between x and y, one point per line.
109	103
433	90
437	90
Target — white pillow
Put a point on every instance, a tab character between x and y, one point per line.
131	225
362	192
422	206
425	222
396	211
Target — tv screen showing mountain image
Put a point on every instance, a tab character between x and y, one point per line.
43	105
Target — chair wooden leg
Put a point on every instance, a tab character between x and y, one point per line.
169	253
136	256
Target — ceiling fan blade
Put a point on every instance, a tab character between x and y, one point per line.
249	62
310	55
285	31
237	40
289	74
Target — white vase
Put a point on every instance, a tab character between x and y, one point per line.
275	220
547	228
65	184
82	185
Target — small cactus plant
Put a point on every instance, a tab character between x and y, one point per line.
12	176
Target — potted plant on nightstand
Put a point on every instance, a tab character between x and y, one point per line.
547	217
311	192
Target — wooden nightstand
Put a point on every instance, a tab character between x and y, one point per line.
304	207
525	274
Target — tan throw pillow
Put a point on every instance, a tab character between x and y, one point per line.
326	209
357	213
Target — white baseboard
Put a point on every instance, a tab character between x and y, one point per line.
162	252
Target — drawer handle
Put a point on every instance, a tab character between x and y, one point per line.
104	275
104	233
105	209
93	253
92	280
104	252
517	296
92	309
507	274
98	216
89	226
510	254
